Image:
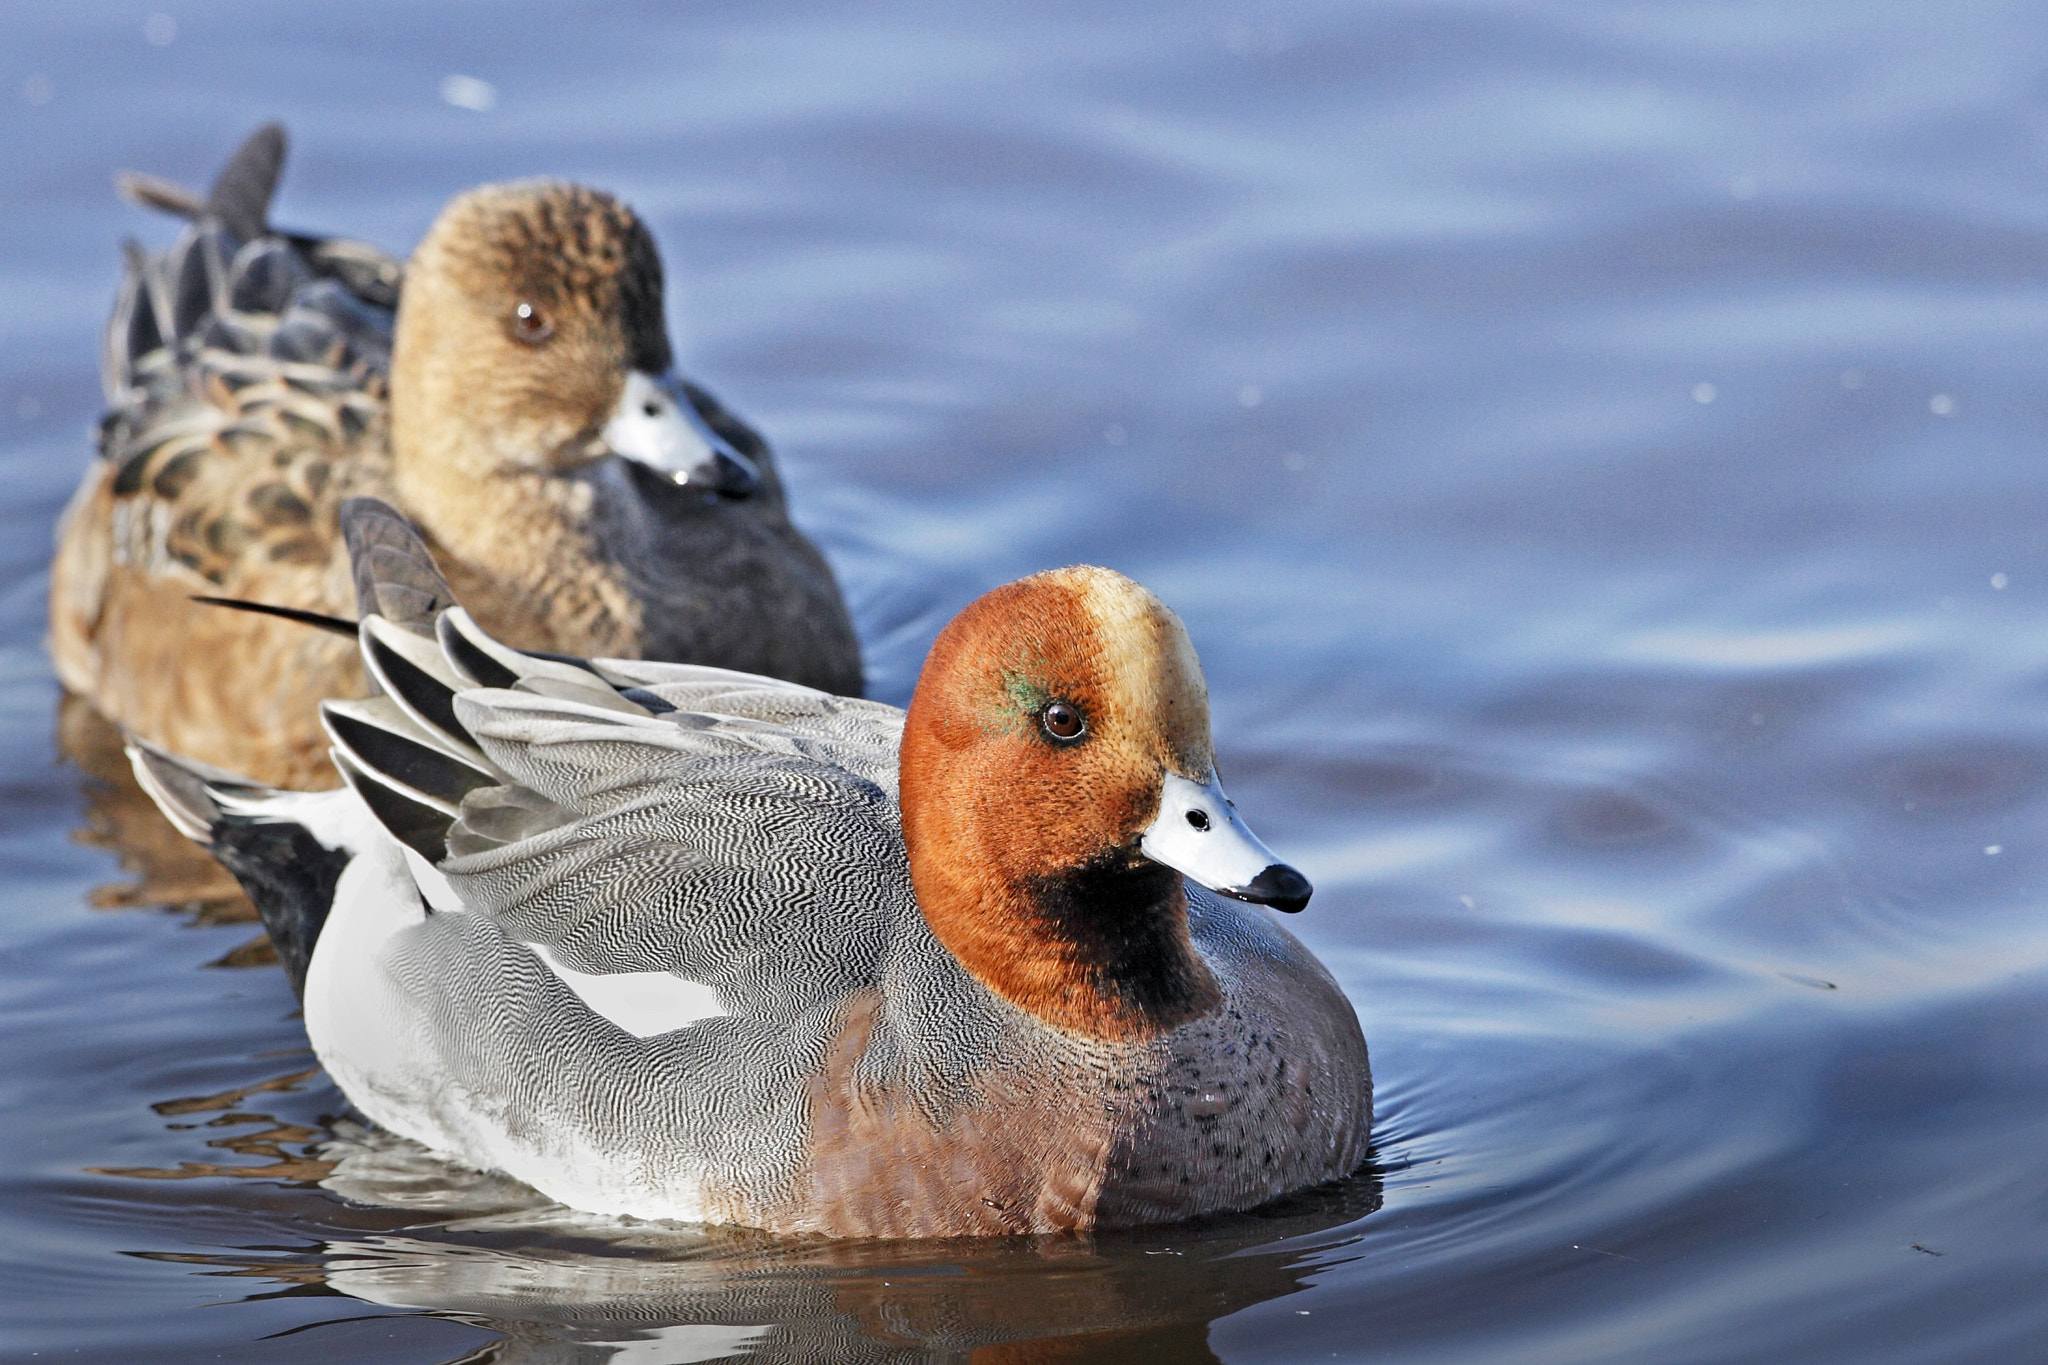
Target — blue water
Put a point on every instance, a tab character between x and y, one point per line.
1597	449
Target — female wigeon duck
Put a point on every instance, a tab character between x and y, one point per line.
681	943
583	498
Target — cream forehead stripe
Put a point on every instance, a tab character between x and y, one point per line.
1149	663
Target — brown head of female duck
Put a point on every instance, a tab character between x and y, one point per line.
589	499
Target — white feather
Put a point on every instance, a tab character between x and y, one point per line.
644	1004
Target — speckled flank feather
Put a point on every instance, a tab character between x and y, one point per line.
745	835
258	378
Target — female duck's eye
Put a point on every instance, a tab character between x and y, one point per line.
530	325
1063	721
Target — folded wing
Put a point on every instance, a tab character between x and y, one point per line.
622	817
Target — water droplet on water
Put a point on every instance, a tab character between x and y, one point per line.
1941	405
1704	393
467	92
160	30
1993	850
1999	582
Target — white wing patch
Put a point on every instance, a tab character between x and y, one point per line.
688	1342
644	1004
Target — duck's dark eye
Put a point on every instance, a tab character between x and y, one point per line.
1063	721
531	325
1199	819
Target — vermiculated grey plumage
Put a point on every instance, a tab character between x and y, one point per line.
854	1078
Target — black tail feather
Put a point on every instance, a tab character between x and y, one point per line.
289	875
415	824
317	620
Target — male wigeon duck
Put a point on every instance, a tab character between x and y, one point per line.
681	943
582	497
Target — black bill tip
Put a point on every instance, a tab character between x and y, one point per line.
1279	886
734	475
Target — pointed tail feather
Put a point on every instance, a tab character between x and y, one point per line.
184	789
154	192
287	849
318	620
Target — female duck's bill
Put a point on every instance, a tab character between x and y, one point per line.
797	961
657	426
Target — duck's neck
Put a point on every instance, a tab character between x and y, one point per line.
1101	950
510	545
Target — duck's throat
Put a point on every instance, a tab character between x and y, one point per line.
1101	950
529	573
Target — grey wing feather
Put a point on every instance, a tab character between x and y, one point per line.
231	288
862	736
396	577
637	817
651	846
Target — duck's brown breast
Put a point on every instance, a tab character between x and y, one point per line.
1020	1147
1052	1132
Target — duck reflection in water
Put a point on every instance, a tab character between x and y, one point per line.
567	1288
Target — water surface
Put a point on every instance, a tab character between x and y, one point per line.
1597	449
